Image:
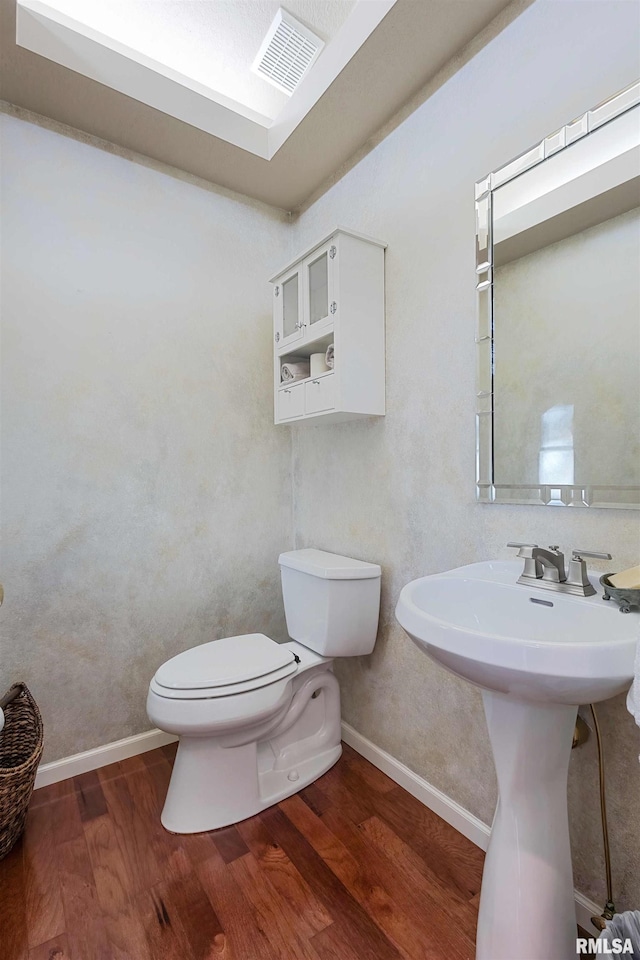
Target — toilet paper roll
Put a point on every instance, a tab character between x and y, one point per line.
318	364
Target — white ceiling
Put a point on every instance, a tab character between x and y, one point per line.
414	42
214	43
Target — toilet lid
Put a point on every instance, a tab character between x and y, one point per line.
220	663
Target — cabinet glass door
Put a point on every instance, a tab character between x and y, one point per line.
318	289
288	313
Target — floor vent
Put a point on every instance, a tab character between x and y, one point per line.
287	52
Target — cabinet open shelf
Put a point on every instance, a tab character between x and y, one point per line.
304	348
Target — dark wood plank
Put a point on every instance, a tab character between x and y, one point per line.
159	772
315	799
348	793
66	822
111	771
114	888
245	937
408	867
165	934
421	919
274	913
338	900
43	903
133	824
56	949
170	750
85	927
395	907
43	795
229	844
90	796
288	883
453	858
13	918
373	777
174	853
341	941
186	903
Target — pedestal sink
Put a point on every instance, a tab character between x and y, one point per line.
537	655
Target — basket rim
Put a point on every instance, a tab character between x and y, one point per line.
27	699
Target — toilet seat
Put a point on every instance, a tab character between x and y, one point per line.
225	667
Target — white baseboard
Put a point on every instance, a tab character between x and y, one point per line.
100	756
453	813
585	909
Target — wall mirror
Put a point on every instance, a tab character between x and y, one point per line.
558	336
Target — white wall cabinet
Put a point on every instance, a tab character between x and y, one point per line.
332	294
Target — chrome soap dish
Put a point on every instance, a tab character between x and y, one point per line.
625	598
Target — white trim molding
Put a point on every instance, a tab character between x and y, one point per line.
49	773
453	813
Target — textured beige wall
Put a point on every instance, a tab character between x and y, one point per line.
146	494
567	332
400	490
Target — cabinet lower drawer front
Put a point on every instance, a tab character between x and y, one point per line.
319	394
291	402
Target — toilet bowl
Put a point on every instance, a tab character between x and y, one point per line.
259	720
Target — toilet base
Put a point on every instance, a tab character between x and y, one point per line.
275	785
220	780
202	814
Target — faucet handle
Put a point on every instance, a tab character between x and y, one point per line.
579	554
512	544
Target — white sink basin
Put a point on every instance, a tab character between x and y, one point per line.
529	643
537	655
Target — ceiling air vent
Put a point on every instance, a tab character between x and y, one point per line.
287	52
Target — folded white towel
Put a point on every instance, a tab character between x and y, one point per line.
624	926
298	370
633	697
329	356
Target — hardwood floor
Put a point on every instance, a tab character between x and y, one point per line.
351	868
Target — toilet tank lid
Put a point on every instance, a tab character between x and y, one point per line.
329	566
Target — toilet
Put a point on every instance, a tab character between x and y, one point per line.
260	720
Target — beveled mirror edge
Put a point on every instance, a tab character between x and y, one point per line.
626	498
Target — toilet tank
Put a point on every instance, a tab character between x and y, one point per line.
331	602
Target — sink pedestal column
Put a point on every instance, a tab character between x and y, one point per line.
527	909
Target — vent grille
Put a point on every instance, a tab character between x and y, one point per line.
287	52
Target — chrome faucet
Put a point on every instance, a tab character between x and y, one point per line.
545	569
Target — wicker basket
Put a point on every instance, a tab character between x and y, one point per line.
20	752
